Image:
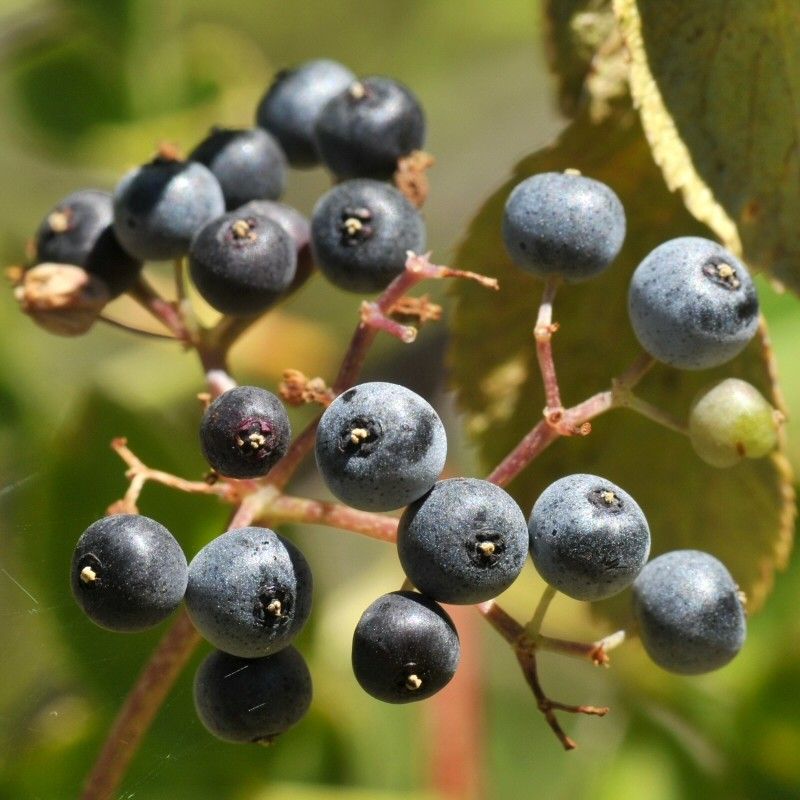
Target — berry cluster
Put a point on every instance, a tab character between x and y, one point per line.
379	446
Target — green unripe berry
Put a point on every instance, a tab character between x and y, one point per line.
730	421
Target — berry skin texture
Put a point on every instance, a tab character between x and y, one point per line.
692	304
128	573
361	232
365	129
405	648
249	592
160	206
245	432
249	164
380	446
465	541
296	225
78	230
589	539
731	421
242	265
690	615
291	106
253	699
563	224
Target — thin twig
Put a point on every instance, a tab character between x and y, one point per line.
165	312
137	331
534	627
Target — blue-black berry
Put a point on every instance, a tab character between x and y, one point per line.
78	230
244	432
380	446
160	206
405	648
242	263
365	129
465	541
689	611
589	539
249	592
290	108
692	304
564	224
252	699
361	232
128	572
249	164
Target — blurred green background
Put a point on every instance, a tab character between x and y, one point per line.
88	88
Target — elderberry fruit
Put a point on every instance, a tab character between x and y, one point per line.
244	432
290	108
78	230
128	572
365	129
563	224
692	304
249	592
160	206
689	611
361	232
380	446
465	541
249	164
731	421
298	228
405	648
589	539
252	699
242	264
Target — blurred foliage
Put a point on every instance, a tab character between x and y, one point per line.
89	88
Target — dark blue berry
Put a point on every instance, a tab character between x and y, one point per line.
160	206
405	648
244	432
128	572
298	228
380	446
78	230
589	539
249	592
689	612
561	223
368	127
692	304
252	699
361	232
290	108
465	541
249	164
242	264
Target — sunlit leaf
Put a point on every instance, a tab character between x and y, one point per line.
717	86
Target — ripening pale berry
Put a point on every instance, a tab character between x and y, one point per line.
730	421
589	539
692	304
690	613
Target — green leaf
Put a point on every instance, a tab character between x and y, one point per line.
717	85
743	515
